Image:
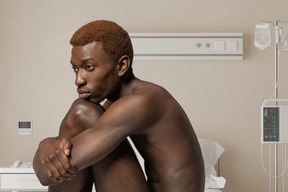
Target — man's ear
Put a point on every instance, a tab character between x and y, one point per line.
124	63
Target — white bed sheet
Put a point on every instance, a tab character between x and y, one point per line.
213	190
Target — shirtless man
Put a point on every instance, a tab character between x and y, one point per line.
102	56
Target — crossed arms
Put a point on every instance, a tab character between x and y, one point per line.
59	159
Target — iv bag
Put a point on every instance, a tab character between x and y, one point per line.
262	36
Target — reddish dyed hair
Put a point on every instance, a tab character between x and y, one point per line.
114	39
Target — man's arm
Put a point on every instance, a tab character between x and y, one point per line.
128	115
121	163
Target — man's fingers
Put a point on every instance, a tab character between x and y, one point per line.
59	173
53	173
66	168
73	170
51	176
67	146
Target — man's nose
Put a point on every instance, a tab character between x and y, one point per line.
80	78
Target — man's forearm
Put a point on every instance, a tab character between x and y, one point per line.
88	150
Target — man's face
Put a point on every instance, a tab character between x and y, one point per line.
95	72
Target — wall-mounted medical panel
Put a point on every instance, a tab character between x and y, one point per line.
191	46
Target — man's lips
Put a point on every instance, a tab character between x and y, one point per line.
83	94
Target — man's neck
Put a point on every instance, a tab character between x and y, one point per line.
126	88
122	89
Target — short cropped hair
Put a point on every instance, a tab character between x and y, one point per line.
114	39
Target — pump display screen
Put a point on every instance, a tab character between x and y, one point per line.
271	124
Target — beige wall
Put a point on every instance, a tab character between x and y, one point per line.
222	98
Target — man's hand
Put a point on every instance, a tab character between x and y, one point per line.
54	161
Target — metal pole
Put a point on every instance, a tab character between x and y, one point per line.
277	43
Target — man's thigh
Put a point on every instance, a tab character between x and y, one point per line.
119	171
82	182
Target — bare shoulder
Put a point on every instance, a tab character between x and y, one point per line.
151	95
141	108
144	97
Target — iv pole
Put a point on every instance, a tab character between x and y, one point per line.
278	41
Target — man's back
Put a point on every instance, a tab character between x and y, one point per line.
173	159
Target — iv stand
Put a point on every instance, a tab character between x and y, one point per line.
278	41
276	60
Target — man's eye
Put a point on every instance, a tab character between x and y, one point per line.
74	69
89	67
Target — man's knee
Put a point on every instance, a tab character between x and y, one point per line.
86	113
81	116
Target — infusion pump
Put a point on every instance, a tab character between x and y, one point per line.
274	121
